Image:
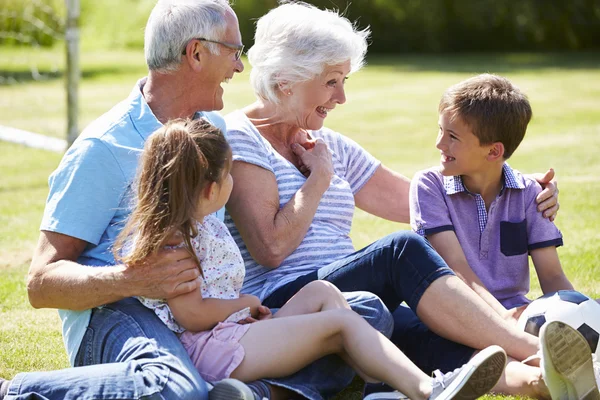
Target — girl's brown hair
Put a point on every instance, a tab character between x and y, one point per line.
179	161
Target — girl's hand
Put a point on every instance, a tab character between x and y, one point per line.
264	313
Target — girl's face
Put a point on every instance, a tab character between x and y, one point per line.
217	194
308	103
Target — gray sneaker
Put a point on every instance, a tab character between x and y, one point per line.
567	363
472	380
231	389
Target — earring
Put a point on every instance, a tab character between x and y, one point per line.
289	93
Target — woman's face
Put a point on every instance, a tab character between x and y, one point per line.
308	103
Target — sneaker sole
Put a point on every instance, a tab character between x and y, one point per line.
570	355
487	368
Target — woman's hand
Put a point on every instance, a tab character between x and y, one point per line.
314	156
547	199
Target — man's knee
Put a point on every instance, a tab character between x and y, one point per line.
372	309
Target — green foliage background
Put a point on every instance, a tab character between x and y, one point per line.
398	26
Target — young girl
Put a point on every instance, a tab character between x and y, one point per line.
183	179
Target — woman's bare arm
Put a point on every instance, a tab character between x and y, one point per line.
385	195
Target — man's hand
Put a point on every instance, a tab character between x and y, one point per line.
547	199
169	273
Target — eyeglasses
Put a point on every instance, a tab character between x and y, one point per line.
239	48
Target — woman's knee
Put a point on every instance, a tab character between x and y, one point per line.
409	240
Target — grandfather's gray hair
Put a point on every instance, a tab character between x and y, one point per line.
173	23
296	41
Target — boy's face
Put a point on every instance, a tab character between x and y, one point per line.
461	153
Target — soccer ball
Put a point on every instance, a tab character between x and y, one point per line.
568	306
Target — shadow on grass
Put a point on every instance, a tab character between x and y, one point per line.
492	62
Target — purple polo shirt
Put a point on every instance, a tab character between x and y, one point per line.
496	243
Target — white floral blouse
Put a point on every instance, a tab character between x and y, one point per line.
223	269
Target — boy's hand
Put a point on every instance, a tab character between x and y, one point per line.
547	199
513	314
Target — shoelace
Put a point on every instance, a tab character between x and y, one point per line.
441	378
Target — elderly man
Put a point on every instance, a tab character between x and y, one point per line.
191	48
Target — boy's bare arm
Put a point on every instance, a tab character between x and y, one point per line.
549	271
447	245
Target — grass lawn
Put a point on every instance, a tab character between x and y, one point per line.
391	111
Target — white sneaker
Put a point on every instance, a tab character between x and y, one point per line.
231	389
395	395
596	368
566	363
472	380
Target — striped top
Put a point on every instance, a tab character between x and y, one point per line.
328	237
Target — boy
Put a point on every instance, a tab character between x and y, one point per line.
478	213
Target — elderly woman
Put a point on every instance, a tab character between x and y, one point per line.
297	183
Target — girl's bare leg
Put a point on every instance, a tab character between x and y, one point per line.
314	297
281	346
454	311
319	296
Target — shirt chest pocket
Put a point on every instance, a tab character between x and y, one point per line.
513	238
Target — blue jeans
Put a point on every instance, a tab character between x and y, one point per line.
397	268
126	353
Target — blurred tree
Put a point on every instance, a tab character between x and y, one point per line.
397	26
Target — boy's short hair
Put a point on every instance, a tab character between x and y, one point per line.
494	109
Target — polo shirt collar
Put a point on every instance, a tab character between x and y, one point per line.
143	118
454	184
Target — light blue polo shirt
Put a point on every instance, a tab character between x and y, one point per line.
91	190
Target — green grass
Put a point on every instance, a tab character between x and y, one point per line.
391	111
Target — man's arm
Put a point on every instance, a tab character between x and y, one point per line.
447	245
56	280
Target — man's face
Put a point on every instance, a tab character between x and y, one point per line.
220	68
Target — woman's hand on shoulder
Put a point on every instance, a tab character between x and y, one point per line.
547	199
314	157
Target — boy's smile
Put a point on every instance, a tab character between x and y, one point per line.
461	152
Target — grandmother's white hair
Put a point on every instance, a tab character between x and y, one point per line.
296	41
173	23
